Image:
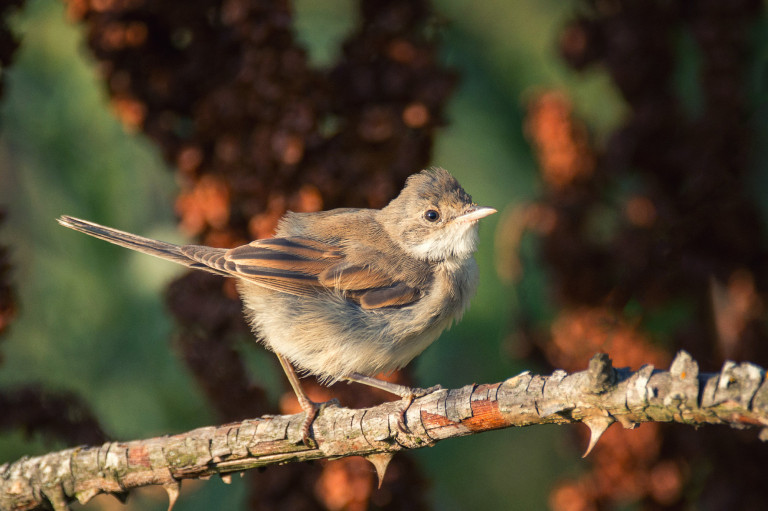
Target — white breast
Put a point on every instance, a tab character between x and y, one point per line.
331	337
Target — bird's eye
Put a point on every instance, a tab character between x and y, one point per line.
431	215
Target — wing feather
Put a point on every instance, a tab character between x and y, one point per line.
354	278
394	296
306	267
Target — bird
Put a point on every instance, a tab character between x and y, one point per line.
348	293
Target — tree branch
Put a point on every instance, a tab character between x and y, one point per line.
599	396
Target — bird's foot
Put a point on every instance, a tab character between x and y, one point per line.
415	392
419	392
312	409
407	393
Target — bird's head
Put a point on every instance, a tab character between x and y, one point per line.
433	218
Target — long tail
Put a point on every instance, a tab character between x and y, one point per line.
149	246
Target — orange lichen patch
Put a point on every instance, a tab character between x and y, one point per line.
138	456
205	204
435	420
485	415
580	333
560	141
346	484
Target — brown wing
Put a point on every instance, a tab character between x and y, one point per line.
304	267
393	296
290	265
371	288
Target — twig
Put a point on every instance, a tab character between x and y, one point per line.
599	396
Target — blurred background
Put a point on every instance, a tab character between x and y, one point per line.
624	144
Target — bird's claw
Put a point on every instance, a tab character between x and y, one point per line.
312	409
415	392
419	392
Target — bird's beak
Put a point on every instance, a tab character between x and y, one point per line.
475	213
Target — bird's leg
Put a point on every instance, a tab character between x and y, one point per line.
392	388
407	393
310	407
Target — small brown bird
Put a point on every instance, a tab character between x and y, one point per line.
349	293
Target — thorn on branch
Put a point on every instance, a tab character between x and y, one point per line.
760	399
737	396
684	372
597	426
84	496
739	382
172	489
55	495
683	366
380	462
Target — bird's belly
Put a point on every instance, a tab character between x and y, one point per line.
331	338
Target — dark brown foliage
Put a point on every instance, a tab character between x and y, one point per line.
8	46
52	415
7	294
226	91
656	221
8	41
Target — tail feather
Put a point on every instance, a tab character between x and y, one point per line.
160	249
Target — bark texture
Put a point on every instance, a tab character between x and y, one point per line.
736	396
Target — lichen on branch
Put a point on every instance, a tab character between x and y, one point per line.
599	396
